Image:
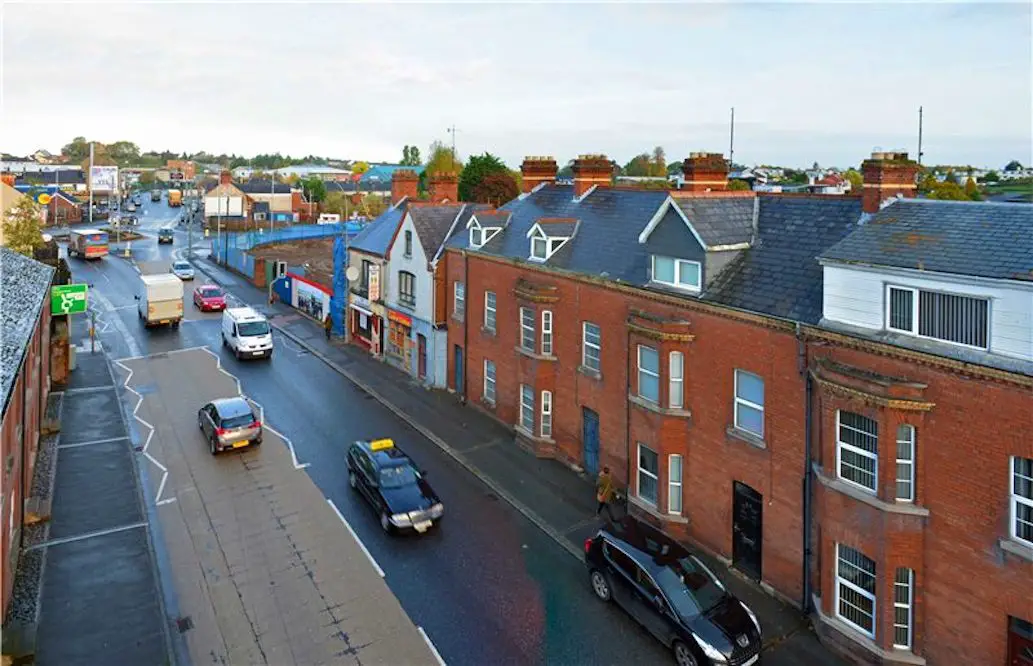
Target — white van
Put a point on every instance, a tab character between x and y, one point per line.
247	333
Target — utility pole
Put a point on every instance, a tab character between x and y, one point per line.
731	142
89	183
919	136
452	130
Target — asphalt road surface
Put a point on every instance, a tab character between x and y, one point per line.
487	585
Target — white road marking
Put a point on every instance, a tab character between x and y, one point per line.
91	442
116	321
88	535
434	650
261	412
158	500
357	539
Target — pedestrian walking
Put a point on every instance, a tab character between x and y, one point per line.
328	324
604	492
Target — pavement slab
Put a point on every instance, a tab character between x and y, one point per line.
260	561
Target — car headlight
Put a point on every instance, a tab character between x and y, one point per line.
710	651
437	510
401	520
753	616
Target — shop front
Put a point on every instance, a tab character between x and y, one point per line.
364	325
399	339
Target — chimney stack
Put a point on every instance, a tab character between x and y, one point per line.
537	170
887	175
404	183
8	178
443	186
225	178
705	172
589	171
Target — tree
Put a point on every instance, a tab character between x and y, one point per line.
477	169
856	180
972	190
951	177
147	178
495	189
441	160
1013	166
928	183
124	152
23	228
360	167
948	191
76	150
338	202
992	177
738	185
373	205
658	165
638	166
314	189
410	156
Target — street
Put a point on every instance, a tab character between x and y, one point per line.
487	585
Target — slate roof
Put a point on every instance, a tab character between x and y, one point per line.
780	275
61	177
433	222
557	226
376	237
23	289
259	186
992	240
492	218
720	221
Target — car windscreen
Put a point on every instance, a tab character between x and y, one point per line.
250	328
689	586
181	266
211	292
397	476
238	421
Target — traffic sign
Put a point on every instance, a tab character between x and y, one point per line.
68	299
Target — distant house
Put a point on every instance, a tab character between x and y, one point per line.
313	170
830	183
63	209
242	173
276	195
226	201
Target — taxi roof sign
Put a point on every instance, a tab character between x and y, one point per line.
381	444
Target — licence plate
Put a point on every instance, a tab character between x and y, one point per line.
239	445
751	661
422	526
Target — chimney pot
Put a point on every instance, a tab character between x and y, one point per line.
887	175
537	170
444	186
705	172
225	178
589	171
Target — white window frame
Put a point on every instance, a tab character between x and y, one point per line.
490	308
907	606
1016	500
648	372
676	380
546	332
910	442
527	333
489	382
746	403
640	471
539	238
526	409
864	593
677	284
916	313
586	345
479	242
459	299
674	488
840	444
408	244
546	422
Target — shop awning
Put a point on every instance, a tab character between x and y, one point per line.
361	309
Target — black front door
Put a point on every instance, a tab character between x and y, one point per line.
747	512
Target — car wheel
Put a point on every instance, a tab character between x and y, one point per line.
212	446
600	586
683	655
353	481
200	425
257	441
385	522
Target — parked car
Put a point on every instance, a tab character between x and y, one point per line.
138	200
209	298
183	270
229	423
166	235
673	594
129	220
393	485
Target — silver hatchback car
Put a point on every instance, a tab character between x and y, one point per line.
229	423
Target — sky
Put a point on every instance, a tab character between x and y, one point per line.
826	82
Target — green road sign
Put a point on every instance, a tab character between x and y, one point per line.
68	299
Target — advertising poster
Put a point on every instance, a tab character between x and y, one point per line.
104	178
311	298
374	282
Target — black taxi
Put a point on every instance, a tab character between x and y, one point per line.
393	485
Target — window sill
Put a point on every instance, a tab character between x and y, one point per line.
527	434
840	486
650	406
731	432
902	657
652	510
488	404
1018	549
537	357
590	373
488	331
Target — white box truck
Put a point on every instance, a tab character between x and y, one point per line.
160	300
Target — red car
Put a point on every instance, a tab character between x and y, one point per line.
209	298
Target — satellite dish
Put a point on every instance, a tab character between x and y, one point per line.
47	238
352	274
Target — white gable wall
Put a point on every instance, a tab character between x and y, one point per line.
417	265
857	295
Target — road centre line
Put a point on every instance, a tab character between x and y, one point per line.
434	650
362	546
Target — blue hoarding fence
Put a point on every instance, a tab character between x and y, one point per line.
231	248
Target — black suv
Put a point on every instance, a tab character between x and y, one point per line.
673	594
165	236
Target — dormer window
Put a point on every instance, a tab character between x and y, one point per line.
544	246
480	235
678	273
